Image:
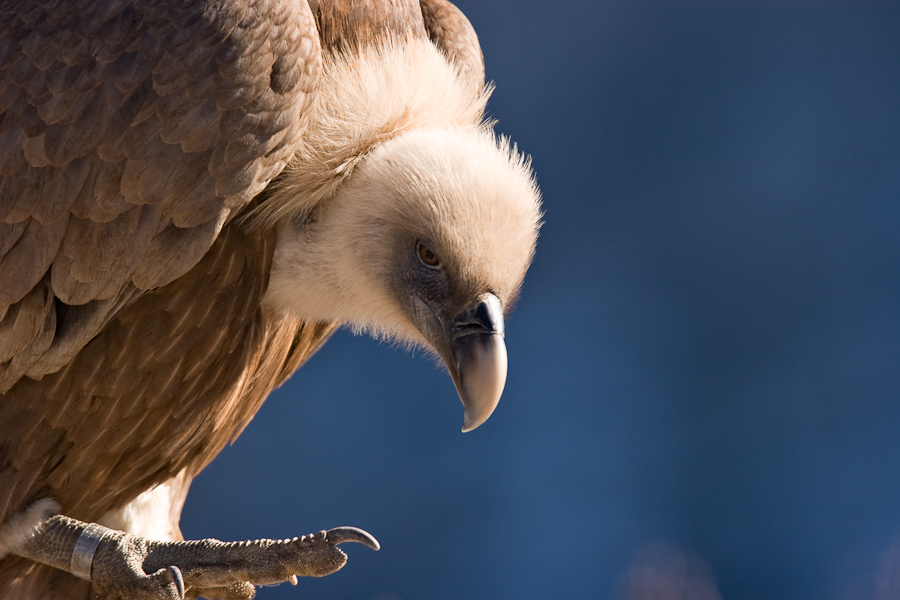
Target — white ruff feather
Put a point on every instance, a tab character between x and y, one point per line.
21	526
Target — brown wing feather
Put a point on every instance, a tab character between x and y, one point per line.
108	107
26	326
29	258
353	24
452	32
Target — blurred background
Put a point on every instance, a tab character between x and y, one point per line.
704	390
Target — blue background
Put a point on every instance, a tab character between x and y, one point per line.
704	386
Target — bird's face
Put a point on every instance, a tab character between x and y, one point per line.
453	219
428	242
461	319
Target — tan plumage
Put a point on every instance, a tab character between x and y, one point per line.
157	280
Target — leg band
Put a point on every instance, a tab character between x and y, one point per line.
83	553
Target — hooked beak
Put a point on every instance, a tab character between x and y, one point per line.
472	347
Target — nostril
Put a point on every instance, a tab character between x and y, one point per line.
485	315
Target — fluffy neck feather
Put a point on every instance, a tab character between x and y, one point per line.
363	100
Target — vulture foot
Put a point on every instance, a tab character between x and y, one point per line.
124	566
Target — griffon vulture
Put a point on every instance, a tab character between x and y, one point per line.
194	194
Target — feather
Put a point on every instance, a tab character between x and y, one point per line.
107	189
115	31
60	79
123	111
183	183
144	178
126	263
36	87
21	71
174	251
68	140
200	119
89	253
24	321
353	25
9	235
9	93
451	31
12	160
144	129
26	262
193	207
22	192
132	70
29	327
80	326
33	148
66	108
60	191
99	198
17	530
246	181
15	189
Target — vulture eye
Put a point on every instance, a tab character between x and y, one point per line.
428	257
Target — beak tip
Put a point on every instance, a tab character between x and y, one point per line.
483	377
470	423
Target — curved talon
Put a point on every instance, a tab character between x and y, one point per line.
138	585
178	580
339	535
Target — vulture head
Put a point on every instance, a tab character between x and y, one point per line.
423	234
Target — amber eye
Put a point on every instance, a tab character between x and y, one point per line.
428	257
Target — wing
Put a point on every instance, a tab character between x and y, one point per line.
130	133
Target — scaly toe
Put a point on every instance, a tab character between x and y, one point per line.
242	590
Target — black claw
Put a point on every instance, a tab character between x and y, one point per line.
339	535
178	580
